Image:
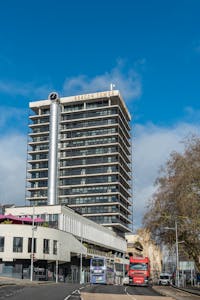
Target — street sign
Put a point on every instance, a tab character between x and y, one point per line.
186	265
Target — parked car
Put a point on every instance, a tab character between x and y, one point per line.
165	279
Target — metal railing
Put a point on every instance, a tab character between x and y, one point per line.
95	252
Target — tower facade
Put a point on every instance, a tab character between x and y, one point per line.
79	154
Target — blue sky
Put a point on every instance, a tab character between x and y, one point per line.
149	49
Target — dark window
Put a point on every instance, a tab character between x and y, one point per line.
17	244
55	247
1	243
97	262
46	246
138	266
30	245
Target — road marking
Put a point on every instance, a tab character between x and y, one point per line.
74	292
70	295
132	297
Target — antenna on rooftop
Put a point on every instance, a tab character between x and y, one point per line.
112	86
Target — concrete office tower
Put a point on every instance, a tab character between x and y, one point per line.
79	154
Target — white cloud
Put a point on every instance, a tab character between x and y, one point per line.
26	89
128	82
12	115
151	147
192	115
13	168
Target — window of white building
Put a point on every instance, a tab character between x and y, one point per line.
1	243
17	244
46	244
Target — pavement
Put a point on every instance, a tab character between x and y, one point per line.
177	294
190	289
96	296
16	281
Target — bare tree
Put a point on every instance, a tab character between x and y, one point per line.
178	198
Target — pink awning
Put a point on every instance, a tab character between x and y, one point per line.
39	220
21	219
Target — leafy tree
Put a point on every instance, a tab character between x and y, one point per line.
178	198
7	222
45	224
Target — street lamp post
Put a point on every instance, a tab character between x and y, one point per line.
177	256
175	228
123	265
81	255
32	244
57	261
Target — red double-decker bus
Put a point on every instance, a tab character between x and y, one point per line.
139	271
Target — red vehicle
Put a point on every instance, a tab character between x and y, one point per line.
139	271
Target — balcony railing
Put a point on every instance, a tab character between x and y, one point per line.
95	252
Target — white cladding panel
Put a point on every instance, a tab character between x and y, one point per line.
66	243
90	231
83	97
75	224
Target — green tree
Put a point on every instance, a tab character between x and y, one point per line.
7	222
178	198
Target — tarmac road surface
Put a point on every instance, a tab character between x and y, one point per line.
51	291
62	291
106	292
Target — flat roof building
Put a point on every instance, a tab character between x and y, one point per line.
79	154
65	219
59	234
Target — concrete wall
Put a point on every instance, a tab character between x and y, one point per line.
66	243
150	249
73	223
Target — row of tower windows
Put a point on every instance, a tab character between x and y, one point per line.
94	141
95	199
107	219
81	181
77	107
102	131
98	209
73	125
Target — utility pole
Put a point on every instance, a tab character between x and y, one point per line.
32	243
177	256
81	255
57	260
175	228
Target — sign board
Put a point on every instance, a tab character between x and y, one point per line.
186	265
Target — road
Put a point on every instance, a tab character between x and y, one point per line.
61	291
51	291
72	292
101	292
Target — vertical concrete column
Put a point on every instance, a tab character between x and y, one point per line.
53	148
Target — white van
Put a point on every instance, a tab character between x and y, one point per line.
165	279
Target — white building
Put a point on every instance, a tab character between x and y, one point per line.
79	154
72	236
50	245
66	219
79	160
